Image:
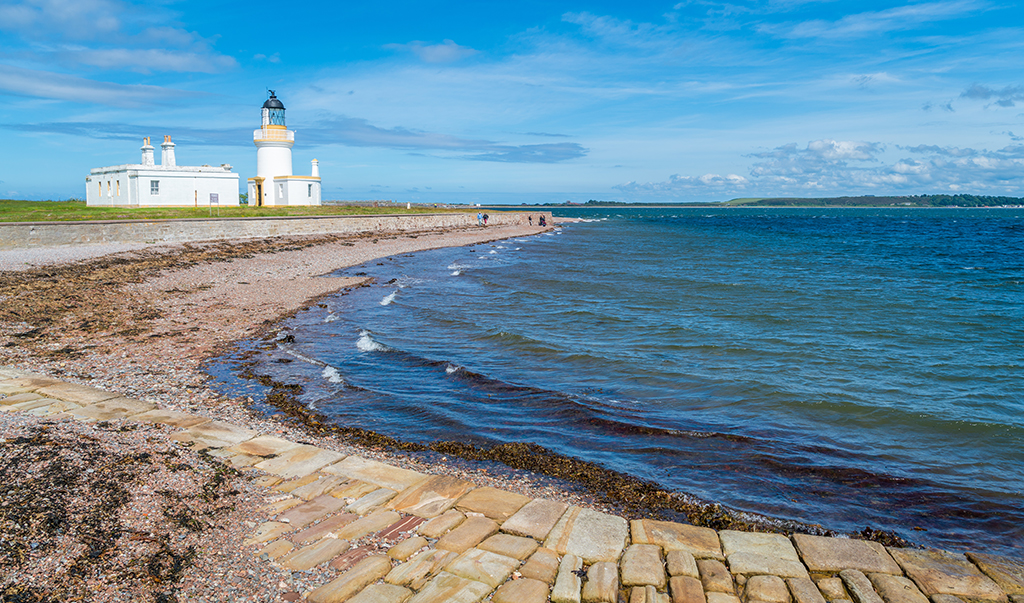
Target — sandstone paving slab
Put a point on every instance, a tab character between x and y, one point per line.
830	555
483	566
542	565
327	527
1017	598
56	407
568	583
768	545
72	392
449	588
423	566
516	547
590	535
298	461
897	589
535	519
275	549
351	557
31	383
431	497
1006	572
496	504
291	485
111	409
407	548
371	501
29	405
524	590
859	587
314	554
382	593
832	588
642	565
11	389
649	594
754	564
685	589
324	484
267	531
264	445
353	488
681	563
19	398
672	536
311	510
375	472
214	434
280	506
804	590
181	420
947	599
470	533
769	589
602	585
266	481
721	598
406	525
941	572
365	573
440	525
374	522
714	576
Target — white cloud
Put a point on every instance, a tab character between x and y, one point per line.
445	52
871	23
58	86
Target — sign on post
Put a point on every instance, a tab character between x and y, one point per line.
214	200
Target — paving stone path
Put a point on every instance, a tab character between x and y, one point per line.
392	535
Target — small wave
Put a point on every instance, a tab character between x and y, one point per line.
365	343
452	368
518	248
331	318
405	281
390	298
493	251
456	272
331	374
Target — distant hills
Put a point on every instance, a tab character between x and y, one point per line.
859	201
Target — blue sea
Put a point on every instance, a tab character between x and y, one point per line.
842	367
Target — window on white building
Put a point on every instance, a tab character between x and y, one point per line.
309	190
118	188
280	191
154	187
99	189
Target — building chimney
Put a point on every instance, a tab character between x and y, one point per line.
147	152
167	156
316	168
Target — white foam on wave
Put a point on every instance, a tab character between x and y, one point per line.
493	251
456	272
406	281
390	298
518	248
331	318
452	368
331	374
365	343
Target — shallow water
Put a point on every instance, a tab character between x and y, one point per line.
848	367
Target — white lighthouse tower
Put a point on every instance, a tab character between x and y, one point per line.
274	183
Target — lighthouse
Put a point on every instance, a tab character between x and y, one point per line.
274	183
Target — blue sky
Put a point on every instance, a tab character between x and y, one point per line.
527	101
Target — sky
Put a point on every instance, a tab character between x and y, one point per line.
527	101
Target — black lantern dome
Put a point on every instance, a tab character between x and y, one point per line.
273	111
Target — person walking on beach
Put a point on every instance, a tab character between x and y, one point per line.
479	219
485	219
530	218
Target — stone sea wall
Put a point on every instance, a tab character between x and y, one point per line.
20	235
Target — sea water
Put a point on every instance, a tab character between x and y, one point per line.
845	367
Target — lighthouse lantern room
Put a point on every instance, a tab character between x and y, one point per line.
274	183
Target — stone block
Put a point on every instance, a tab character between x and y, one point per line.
327	527
351	557
214	434
715	576
699	542
264	445
483	566
830	555
685	589
430	497
365	573
946	599
298	461
294	484
568	583
80	394
280	506
406	525
375	472
407	548
56	407
804	590
440	525
266	481
832	588
416	572
944	573
267	531
535	519
353	488
306	513
324	484
516	547
19	398
642	565
602	585
896	589
524	590
32	405
754	563
109	410
681	563
1006	572
542	565
449	588
275	549
758	543
721	598
647	594
374	522
371	501
859	587
769	589
313	555
382	593
590	535
470	533
496	504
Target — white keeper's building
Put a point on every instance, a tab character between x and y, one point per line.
274	183
166	185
